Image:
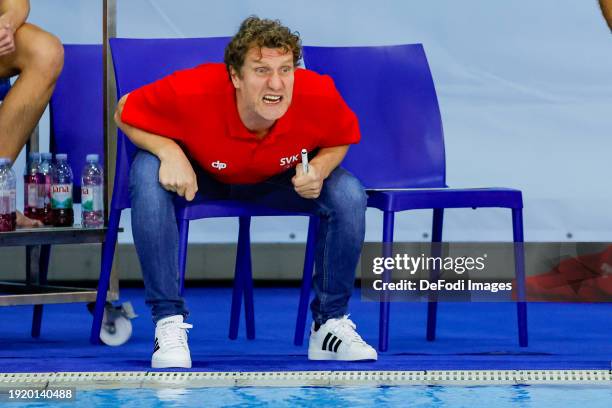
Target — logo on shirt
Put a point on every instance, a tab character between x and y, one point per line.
286	161
218	165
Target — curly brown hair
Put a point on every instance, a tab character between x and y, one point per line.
258	32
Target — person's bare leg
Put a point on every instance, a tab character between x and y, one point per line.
38	60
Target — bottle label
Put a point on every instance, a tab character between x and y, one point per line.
47	192
12	201
40	202
8	201
91	198
5	204
32	195
61	196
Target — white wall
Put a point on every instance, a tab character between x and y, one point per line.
525	89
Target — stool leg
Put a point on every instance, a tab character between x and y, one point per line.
43	269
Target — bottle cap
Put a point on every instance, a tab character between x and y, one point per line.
5	161
46	156
92	158
61	156
34	155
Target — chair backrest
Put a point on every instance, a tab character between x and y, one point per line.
76	109
138	62
391	91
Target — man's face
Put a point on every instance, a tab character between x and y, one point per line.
265	87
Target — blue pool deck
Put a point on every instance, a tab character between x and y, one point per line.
471	336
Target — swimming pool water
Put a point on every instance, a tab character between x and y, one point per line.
413	396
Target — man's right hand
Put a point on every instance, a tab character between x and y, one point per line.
175	171
7	38
176	174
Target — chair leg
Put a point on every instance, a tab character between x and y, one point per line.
300	324
239	275
432	304
383	325
519	264
43	269
247	278
183	227
108	253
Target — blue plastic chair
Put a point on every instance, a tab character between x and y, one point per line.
5	87
391	90
138	62
76	109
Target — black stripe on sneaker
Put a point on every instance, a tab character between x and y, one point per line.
337	345
326	340
331	343
156	346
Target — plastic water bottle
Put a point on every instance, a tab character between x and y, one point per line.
46	171
8	196
92	193
61	193
32	188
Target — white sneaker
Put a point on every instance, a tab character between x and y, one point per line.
171	349
338	340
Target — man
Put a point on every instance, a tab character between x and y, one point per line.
37	57
243	124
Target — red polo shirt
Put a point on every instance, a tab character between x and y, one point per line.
197	108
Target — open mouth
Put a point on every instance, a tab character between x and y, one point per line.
272	99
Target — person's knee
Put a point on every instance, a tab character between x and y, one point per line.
345	192
49	56
147	196
41	51
144	172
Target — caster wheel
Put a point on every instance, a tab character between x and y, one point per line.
116	325
115	333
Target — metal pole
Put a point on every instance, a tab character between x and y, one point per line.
109	30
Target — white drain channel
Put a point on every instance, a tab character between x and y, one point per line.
183	379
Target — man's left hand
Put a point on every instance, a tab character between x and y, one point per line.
307	185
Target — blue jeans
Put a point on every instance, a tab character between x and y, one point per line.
341	207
